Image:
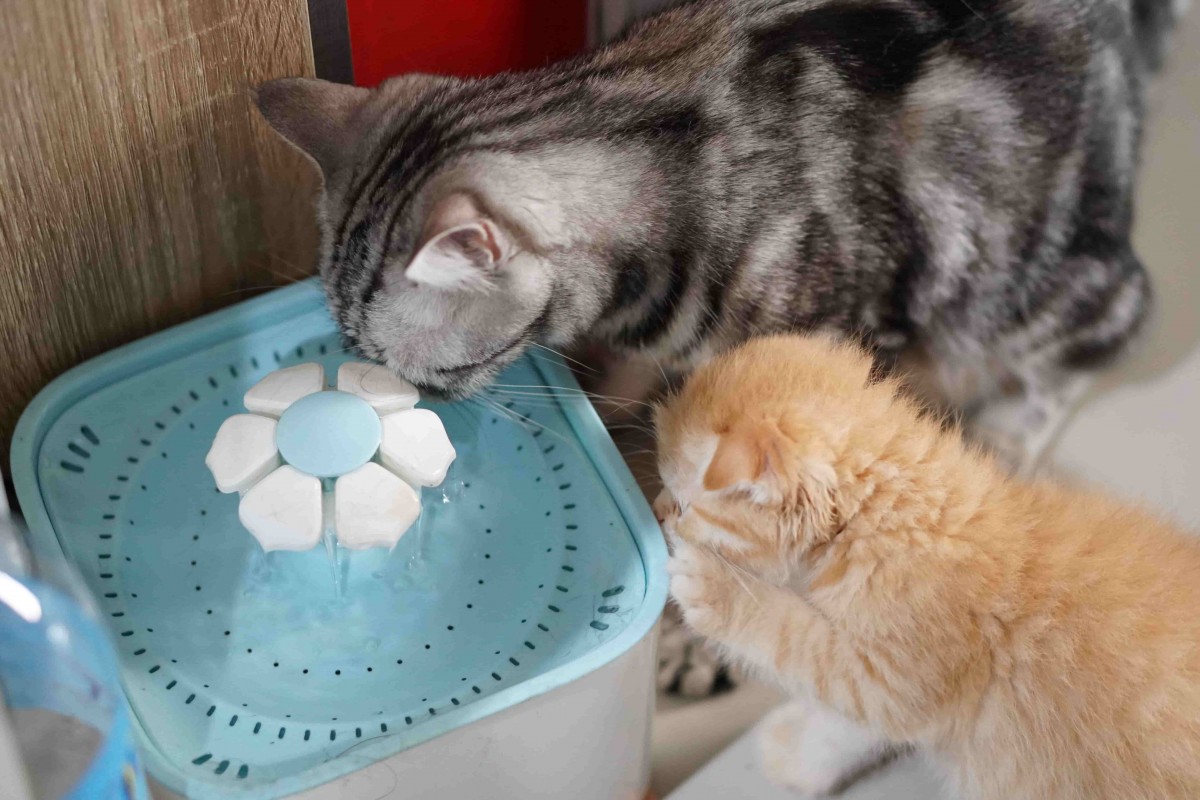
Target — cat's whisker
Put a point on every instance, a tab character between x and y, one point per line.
738	572
567	392
566	357
286	280
516	416
245	289
300	271
661	371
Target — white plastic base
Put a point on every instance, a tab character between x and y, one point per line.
588	740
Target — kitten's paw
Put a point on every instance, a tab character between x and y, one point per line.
815	751
700	585
666	509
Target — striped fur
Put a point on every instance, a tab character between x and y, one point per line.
936	175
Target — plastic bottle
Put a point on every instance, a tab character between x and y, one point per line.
64	723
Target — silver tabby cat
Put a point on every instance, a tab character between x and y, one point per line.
936	177
949	181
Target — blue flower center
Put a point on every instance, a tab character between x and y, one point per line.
328	434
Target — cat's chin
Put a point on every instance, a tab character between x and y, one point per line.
463	386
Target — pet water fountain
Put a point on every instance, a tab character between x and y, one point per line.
501	647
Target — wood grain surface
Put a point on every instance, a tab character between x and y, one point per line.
138	187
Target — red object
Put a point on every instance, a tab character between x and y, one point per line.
461	37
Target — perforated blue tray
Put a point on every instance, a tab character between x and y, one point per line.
247	674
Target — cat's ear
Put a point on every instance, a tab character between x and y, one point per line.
760	459
743	457
313	115
462	248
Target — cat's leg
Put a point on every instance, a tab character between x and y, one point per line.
766	626
688	664
811	748
1044	367
776	632
1019	427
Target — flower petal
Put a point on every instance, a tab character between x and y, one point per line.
242	452
283	511
415	446
377	385
373	508
274	393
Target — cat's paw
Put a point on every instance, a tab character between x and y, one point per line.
666	510
701	585
815	751
1009	430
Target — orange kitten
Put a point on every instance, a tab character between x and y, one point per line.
1035	641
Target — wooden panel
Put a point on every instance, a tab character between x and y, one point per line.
138	187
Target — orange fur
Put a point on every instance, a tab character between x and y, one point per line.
1037	640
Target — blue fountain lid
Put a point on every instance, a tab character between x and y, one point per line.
328	434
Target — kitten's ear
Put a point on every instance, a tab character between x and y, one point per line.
313	115
743	457
462	248
759	458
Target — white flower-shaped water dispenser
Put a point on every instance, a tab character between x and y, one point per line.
349	462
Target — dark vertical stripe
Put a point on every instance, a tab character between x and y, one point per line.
629	284
331	40
665	307
877	48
